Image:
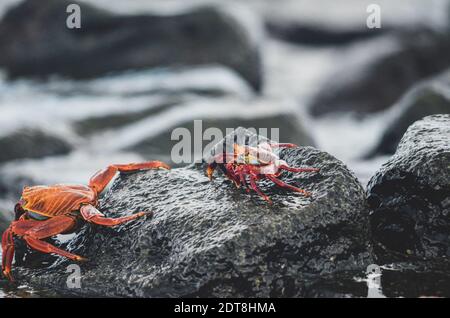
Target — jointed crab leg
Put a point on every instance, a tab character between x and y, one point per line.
91	214
239	176
33	232
285	185
8	253
8	244
232	174
287	168
48	228
101	179
253	179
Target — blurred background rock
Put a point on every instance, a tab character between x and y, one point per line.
73	101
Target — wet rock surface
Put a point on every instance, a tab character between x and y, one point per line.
380	82
428	98
109	43
410	196
416	281
211	239
31	143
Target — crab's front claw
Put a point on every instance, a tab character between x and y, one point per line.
283	145
210	170
160	164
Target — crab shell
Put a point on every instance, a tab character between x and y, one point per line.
56	200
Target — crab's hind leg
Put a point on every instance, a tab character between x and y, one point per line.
7	252
101	179
44	229
292	169
92	215
288	186
20	226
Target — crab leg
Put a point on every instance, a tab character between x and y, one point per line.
242	178
32	232
8	243
231	174
7	253
253	178
287	168
101	179
92	215
45	229
219	158
285	185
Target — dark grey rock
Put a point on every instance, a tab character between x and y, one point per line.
93	125
31	143
415	281
35	41
315	35
211	239
429	98
410	196
382	81
5	217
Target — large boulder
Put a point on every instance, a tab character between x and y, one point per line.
212	239
31	143
428	98
409	196
35	41
377	83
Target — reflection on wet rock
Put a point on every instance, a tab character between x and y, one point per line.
31	143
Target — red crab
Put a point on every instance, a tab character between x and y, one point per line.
255	163
45	211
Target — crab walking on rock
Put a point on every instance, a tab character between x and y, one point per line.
249	164
45	211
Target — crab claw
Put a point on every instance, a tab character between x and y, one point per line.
283	145
210	170
162	165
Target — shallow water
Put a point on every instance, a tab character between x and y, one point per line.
292	75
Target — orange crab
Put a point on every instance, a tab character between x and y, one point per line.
45	211
250	164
